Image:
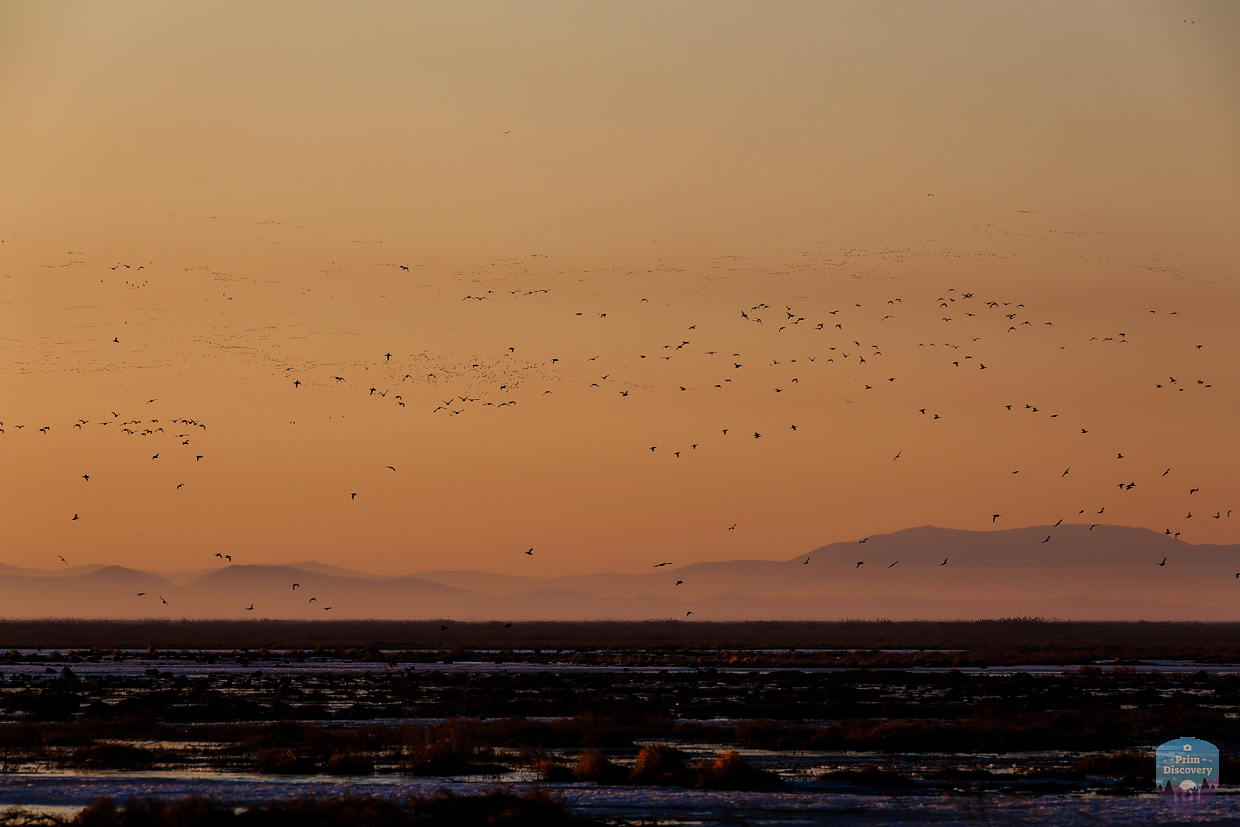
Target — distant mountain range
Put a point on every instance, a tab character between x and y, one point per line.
1109	572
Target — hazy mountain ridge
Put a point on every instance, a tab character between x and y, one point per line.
1110	572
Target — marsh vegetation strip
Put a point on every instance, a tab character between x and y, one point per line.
680	734
1006	641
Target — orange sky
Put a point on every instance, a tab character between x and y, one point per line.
271	167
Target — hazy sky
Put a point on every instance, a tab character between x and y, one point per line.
586	198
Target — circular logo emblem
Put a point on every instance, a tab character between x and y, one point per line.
1186	771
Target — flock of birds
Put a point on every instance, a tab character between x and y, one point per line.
843	345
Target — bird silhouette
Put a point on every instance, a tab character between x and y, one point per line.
1164	562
